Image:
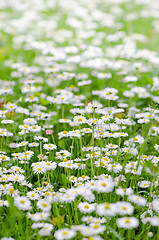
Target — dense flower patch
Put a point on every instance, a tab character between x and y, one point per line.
79	96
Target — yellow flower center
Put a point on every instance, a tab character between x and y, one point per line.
11	190
124	208
104	184
79	119
107	206
127	221
44	204
86	206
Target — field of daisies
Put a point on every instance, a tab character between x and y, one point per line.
79	119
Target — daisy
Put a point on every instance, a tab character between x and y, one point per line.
7	238
64	233
63	134
39	216
79	120
33	144
44	205
94	237
30	121
7	121
33	195
35	128
86	207
155	204
49	131
130	79
127	222
84	230
144	184
124	191
143	120
139	139
50	146
22	144
64	120
124	208
10	106
90	219
154	221
22	203
104	186
63	154
39	169
46	230
106	209
40	138
97	228
4	158
140	201
67	198
156	147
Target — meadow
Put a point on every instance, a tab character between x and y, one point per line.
79	119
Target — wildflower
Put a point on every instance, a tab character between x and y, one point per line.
144	184
50	146
124	191
104	186
13	145
30	121
139	139
40	138
140	201
22	203
7	121
130	79
106	209
39	216
7	238
63	154
46	230
67	198
156	147
44	205
84	82
84	230
93	237
64	233
154	221
33	144
4	158
127	222
97	228
39	169
86	207
49	131
79	120
35	128
90	219
143	120
155	205
23	144
124	208
33	195
10	106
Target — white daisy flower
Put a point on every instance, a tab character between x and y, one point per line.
64	233
127	222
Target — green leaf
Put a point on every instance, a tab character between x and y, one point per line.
63	180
